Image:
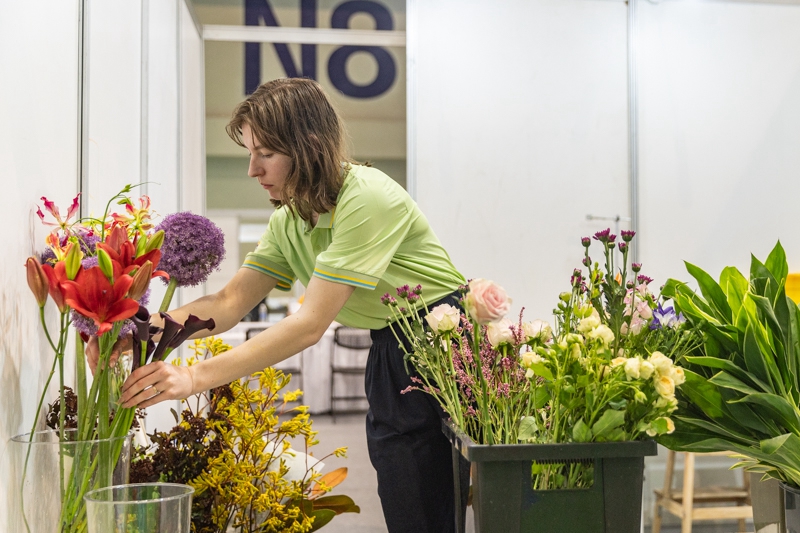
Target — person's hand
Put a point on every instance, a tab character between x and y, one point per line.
123	344
156	382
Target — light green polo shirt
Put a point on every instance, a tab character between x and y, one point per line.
375	239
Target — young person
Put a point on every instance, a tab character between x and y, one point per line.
350	234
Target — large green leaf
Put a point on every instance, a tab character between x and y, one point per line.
687	302
719	431
777	407
723	379
776	262
754	359
712	292
703	395
609	420
735	286
730	367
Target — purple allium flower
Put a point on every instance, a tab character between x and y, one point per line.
602	236
627	236
636	267
586	241
193	247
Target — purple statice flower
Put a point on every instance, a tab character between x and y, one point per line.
193	247
665	317
627	236
471	411
504	389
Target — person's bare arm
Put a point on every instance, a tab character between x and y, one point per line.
157	382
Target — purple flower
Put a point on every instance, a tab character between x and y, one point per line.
193	247
627	236
665	317
623	247
403	291
586	241
636	267
417	290
602	236
644	279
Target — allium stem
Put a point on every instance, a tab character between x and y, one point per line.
173	284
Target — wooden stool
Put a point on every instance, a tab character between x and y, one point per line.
682	504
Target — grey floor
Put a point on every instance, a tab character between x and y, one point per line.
361	484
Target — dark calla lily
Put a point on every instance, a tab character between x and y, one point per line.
171	329
192	325
142	322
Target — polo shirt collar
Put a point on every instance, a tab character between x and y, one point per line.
325	221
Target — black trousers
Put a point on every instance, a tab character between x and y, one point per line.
406	445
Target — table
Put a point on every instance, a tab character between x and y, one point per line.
315	366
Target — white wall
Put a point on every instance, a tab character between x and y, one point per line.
145	109
520	130
719	134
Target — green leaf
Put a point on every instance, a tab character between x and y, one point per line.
581	432
754	359
704	395
338	503
540	369
731	368
660	426
321	518
528	428
718	430
723	379
540	397
777	408
609	420
712	292
735	286
776	262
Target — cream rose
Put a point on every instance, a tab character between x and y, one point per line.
443	318
589	323
661	363
486	301
678	376
537	329
617	361
500	332
531	358
632	367
646	369
603	333
665	387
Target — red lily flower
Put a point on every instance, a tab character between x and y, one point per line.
123	251
93	296
56	276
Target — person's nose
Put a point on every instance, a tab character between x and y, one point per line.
253	170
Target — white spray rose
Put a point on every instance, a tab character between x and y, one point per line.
531	358
670	403
603	333
665	387
618	361
646	369
589	323
678	376
500	332
538	329
661	363
632	366
443	318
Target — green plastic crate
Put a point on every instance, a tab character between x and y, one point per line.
504	501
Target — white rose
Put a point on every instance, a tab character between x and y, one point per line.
670	425
603	333
678	376
443	318
646	369
531	358
670	403
500	332
665	387
538	329
618	361
661	363
632	367
589	323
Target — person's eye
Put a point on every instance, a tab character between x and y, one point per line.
266	156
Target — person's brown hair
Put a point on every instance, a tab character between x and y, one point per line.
294	117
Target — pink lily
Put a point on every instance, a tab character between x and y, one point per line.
53	210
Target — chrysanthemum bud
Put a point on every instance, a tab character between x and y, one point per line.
587	261
72	261
636	267
627	236
37	280
586	241
623	247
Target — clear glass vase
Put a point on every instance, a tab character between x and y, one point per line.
49	478
140	508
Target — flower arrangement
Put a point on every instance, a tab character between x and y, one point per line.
605	373
233	448
97	271
742	387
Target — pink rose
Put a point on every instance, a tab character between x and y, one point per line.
486	301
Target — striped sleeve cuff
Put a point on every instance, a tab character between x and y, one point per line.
265	266
347	277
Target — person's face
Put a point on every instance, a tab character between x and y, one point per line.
269	167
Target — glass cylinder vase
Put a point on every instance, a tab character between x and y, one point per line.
49	478
140	508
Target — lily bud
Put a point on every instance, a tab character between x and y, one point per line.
141	244
155	241
104	262
141	280
73	260
37	280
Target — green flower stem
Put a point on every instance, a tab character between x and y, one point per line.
80	374
173	284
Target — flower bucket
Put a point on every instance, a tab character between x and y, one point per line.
140	508
504	500
767	498
49	478
791	507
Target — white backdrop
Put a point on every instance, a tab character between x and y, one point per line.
144	122
519	131
719	134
